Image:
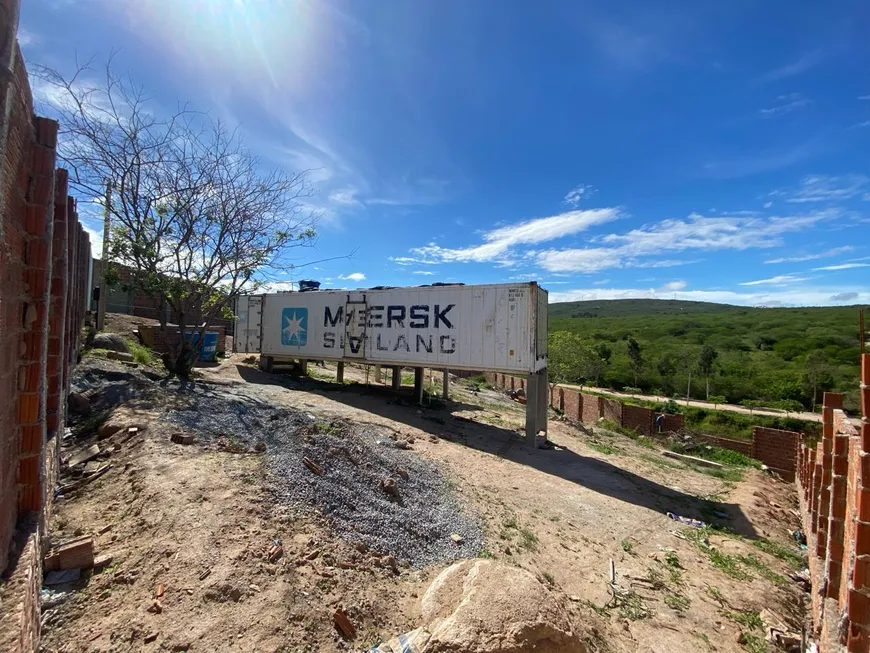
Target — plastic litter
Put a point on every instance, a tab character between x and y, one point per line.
412	642
688	521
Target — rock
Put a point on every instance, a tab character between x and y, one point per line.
389	562
223	593
156	607
313	554
150	638
403	473
120	356
402	444
111	341
78	403
489	607
456	537
103	561
343	624
389	486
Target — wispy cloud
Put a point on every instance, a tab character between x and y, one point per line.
577	194
353	276
864	97
639	247
861	125
744	166
842	266
26	37
601	282
498	243
836	251
424	273
802	296
786	104
801	65
780	280
826	188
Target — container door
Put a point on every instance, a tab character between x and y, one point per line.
249	311
355	327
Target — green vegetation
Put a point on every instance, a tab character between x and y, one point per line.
678	602
780	357
143	355
628	546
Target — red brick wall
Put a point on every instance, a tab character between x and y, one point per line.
833	480
776	449
611	409
44	259
573	405
671	423
591	408
638	418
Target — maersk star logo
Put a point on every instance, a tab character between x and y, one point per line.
294	326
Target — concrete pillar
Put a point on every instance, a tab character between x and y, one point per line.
532	410
418	385
543	400
445	389
303	367
397	377
339	373
377	373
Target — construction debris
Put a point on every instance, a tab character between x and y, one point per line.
313	466
416	529
60	577
75	554
702	462
84	456
343	624
183	438
389	486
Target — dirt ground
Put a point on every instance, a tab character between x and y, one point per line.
200	523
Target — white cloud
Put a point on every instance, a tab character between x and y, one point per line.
821	296
424	273
842	266
864	97
779	280
637	247
824	188
601	282
96	241
353	276
836	251
26	37
499	242
410	260
786	104
861	125
674	285
345	196
767	205
578	193
804	63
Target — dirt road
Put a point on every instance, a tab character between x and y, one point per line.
201	523
810	417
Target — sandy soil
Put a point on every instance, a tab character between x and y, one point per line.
199	522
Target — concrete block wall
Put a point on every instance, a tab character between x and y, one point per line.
44	259
833	481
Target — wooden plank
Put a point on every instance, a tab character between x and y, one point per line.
692	459
84	456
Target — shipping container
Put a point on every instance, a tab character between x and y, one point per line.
487	328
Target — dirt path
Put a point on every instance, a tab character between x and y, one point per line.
200	523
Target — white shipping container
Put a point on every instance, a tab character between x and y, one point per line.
489	327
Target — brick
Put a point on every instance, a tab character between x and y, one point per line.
35	219
858	608
859	639
862	538
28	409
46	132
861	573
832	400
841	466
863	504
78	553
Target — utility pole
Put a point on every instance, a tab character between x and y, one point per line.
104	264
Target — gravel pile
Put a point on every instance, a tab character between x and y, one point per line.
418	522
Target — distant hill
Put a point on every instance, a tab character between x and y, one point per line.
761	352
627	307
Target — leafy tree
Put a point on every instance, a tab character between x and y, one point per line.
568	357
635	357
687	362
817	374
196	216
716	400
603	352
667	368
706	362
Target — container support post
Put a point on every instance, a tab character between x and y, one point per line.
339	373
418	385
445	388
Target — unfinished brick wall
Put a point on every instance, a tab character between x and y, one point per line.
573	405
777	449
611	409
833	480
44	259
741	446
671	423
591	408
638	418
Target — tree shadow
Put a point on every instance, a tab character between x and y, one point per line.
592	473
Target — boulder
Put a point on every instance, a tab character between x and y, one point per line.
120	356
111	341
490	607
78	404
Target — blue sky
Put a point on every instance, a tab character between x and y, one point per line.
715	151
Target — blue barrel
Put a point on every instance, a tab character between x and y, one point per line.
208	349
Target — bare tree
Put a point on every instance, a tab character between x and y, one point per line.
195	214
